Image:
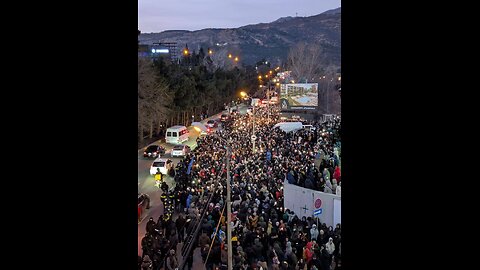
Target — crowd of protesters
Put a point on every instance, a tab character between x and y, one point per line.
265	235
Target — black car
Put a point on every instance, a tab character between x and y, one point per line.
154	151
212	124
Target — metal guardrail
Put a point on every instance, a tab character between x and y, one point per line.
187	248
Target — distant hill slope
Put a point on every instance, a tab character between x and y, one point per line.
271	41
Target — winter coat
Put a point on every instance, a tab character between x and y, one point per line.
314	233
337	173
326	174
288	250
328	187
147	263
290	178
172	262
330	247
334	185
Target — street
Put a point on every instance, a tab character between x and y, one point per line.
146	182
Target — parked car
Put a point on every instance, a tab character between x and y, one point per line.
143	204
154	151
160	163
180	150
212	124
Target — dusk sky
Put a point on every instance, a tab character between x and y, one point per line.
161	15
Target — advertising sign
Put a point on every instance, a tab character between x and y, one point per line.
299	96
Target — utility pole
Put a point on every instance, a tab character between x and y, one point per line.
253	130
268	101
229	210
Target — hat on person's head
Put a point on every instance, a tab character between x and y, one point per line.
330	239
321	232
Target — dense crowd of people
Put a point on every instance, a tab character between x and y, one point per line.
265	235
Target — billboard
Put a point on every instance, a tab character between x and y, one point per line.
299	96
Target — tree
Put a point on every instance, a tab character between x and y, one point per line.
153	97
305	62
328	93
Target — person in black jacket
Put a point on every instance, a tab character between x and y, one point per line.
150	226
180	224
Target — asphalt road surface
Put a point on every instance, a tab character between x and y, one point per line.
146	184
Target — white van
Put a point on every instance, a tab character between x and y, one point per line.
289	126
176	134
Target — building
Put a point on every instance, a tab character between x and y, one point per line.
157	49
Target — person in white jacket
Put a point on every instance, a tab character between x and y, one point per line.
334	185
314	232
330	246
328	187
339	189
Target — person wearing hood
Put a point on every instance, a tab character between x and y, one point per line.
258	248
328	187
147	244
334	185
338	229
147	263
339	189
326	174
314	232
150	227
330	232
324	258
288	250
336	173
330	246
189	200
321	239
261	223
308	253
180	225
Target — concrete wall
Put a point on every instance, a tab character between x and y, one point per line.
302	202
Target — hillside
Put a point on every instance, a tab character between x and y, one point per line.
271	41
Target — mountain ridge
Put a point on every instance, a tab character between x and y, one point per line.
254	42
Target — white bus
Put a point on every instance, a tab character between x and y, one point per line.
176	135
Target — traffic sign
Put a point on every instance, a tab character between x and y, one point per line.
317	212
